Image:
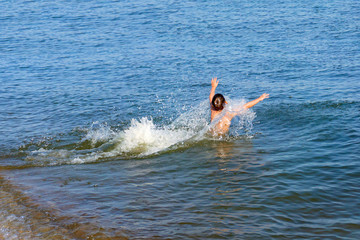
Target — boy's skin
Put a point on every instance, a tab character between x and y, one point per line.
222	126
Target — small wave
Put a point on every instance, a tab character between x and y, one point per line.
142	138
339	104
314	105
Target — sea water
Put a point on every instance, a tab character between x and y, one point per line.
105	118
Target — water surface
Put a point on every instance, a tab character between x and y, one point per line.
104	112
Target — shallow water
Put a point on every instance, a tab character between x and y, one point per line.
104	120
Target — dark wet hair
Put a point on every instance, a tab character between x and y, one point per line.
218	102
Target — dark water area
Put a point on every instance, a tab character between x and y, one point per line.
104	115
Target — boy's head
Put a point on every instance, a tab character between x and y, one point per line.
218	102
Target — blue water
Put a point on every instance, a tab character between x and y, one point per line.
104	104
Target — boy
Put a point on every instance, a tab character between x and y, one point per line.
217	104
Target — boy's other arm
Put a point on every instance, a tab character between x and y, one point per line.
214	83
256	101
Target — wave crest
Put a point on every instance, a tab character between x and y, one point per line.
142	138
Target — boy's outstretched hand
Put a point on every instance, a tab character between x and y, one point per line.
262	97
214	82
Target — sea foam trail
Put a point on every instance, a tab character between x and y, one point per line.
142	137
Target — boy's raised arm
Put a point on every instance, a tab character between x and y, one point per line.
214	83
237	110
256	101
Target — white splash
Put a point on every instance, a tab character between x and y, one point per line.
243	120
98	132
143	137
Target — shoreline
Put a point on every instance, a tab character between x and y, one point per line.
22	218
